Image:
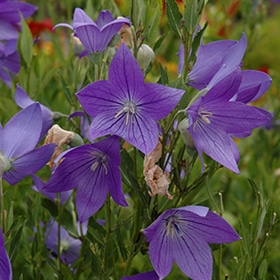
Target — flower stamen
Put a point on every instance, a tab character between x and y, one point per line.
99	158
204	116
172	225
129	108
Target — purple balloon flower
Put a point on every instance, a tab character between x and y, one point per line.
216	60
23	100
18	155
10	17
9	32
70	247
9	61
182	235
214	118
94	170
125	106
95	36
5	265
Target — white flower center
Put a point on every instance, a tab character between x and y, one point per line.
99	158
129	109
204	115
172	226
5	163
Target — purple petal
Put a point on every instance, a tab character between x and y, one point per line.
67	175
215	143
161	251
201	211
29	163
125	75
212	228
192	256
23	100
97	98
69	255
7	31
91	194
81	17
114	182
225	89
253	79
235	118
222	58
104	18
90	37
22	132
160	100
141	131
9	11
5	265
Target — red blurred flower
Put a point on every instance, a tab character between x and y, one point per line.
37	27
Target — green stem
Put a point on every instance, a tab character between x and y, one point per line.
58	234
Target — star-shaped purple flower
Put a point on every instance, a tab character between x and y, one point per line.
182	235
18	155
94	170
95	36
214	118
125	106
5	264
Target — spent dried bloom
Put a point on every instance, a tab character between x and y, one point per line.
157	180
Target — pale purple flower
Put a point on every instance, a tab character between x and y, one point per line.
182	235
18	155
9	61
216	60
125	106
150	275
10	17
214	118
94	170
70	247
9	32
95	36
39	187
5	264
23	100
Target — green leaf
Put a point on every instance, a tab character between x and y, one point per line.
163	75
262	271
25	43
196	44
191	17
174	16
121	244
15	237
